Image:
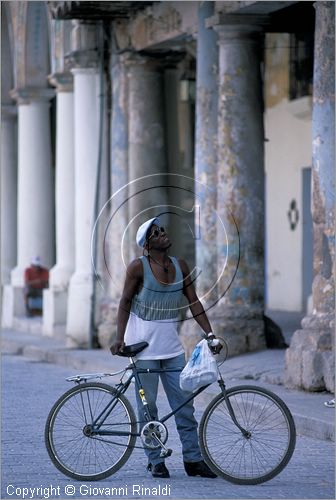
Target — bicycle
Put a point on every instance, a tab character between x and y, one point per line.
247	434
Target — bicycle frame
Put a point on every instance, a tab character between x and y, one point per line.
122	387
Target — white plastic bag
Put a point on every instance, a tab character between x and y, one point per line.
200	370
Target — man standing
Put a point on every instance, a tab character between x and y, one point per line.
148	311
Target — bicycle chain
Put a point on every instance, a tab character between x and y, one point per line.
119	444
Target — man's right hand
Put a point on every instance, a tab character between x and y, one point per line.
117	346
214	344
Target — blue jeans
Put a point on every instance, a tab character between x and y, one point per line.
185	421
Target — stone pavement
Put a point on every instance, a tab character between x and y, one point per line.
263	368
30	388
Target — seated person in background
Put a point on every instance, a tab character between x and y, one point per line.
36	278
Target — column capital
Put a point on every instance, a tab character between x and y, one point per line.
86	58
28	94
238	26
62	81
142	61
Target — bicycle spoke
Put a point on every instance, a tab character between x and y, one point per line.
70	442
266	450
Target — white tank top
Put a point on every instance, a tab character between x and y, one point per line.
154	315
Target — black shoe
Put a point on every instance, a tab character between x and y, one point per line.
198	469
159	470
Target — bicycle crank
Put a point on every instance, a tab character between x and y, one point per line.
154	435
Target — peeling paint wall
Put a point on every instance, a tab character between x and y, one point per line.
323	206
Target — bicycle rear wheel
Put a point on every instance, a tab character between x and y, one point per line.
254	459
72	446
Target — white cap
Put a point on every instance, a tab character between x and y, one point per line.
142	231
36	261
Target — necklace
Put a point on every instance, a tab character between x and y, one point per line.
165	268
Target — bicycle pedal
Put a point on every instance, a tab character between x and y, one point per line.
166	453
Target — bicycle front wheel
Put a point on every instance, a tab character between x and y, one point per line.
258	457
74	446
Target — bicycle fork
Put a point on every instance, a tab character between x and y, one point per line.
245	433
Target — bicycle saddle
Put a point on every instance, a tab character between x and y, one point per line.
132	350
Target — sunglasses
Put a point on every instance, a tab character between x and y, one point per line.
156	232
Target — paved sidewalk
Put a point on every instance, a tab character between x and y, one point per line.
263	368
25	462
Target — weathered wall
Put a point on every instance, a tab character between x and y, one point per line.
162	22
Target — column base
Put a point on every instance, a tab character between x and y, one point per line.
242	332
54	310
17	277
310	360
60	277
12	305
79	311
55	301
107	329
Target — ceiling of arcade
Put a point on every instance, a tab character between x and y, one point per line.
166	25
28	30
95	10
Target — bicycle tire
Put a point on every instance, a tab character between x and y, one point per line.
82	457
243	460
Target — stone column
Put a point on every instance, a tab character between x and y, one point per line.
8	191
118	205
35	193
206	155
310	357
179	119
8	207
240	184
55	298
119	174
147	152
205	171
86	88
179	107
138	150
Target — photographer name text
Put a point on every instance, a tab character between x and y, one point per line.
83	490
